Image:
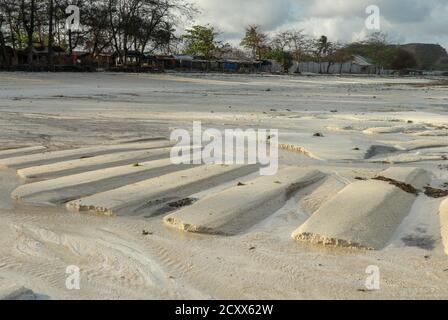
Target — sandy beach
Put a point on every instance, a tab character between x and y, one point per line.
85	180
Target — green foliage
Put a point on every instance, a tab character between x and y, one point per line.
283	57
107	26
201	40
22	40
256	41
322	47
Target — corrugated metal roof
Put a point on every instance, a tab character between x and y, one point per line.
362	61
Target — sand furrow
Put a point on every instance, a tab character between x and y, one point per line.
235	209
57	156
76	186
196	275
21	151
365	214
142	196
110	259
89	164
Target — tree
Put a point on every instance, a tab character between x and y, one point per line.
337	53
227	51
50	33
283	57
2	42
144	24
377	48
298	44
8	22
321	48
331	55
107	25
201	40
282	40
281	49
96	28
342	55
27	12
256	41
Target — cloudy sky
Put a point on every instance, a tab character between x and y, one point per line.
341	20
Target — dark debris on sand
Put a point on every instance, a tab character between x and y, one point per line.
436	193
182	203
403	186
429	191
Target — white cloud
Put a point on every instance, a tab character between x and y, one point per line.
341	20
232	16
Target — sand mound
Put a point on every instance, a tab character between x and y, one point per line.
418	178
235	209
365	214
322	194
326	147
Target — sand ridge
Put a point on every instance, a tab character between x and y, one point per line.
55	156
364	214
159	190
235	209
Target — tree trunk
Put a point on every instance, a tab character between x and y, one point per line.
50	36
70	46
3	50
11	27
31	32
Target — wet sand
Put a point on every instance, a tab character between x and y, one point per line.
367	125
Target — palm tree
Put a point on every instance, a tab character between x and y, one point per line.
322	46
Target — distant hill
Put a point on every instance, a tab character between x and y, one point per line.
428	56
